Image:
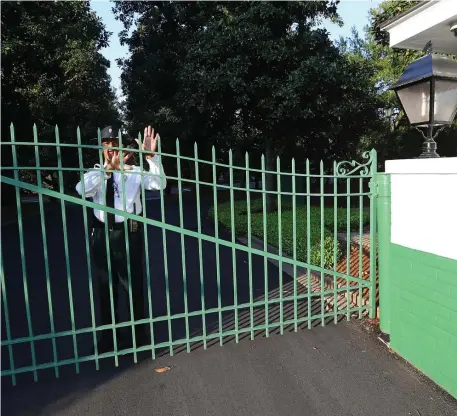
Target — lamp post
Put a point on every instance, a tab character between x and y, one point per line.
427	91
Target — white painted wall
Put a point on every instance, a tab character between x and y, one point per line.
424	204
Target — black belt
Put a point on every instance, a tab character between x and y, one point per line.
132	225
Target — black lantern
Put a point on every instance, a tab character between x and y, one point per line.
427	91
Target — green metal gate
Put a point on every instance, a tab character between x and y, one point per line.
220	264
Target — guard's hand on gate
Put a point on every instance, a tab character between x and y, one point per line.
149	141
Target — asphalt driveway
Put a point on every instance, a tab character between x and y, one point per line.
337	370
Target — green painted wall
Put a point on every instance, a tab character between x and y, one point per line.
423	317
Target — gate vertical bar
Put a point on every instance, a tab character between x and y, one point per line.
146	251
248	203
22	250
86	237
348	245
321	180
45	251
183	248
360	245
216	236
373	244
281	288
294	242
165	251
108	251
265	244
200	256
127	245
66	250
308	238
7	318
335	243
232	219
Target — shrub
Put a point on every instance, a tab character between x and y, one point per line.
330	246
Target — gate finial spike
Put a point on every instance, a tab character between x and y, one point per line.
35	134
78	135
12	132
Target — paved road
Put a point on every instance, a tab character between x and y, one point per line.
338	370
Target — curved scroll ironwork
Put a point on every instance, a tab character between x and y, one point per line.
348	168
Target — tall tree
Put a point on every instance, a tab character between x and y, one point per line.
53	74
249	75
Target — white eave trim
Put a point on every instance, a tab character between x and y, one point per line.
407	15
429	15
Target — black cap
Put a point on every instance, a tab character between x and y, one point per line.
112	132
109	132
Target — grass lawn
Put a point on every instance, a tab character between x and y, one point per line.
302	227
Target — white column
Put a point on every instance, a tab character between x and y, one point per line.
424	204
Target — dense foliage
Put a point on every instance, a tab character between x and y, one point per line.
53	73
257	76
262	77
305	225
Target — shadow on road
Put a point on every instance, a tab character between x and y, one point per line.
74	312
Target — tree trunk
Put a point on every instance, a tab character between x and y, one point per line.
270	177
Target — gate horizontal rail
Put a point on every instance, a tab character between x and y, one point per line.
171	155
169	227
166	318
192	181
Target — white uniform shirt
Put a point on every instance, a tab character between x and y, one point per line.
155	180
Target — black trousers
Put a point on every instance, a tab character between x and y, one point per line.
119	272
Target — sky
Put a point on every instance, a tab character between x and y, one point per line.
353	13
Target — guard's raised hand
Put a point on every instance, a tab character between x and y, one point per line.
150	141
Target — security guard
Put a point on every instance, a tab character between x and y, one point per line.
111	196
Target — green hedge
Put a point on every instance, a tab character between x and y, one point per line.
241	227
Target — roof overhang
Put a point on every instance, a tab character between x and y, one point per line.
430	20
